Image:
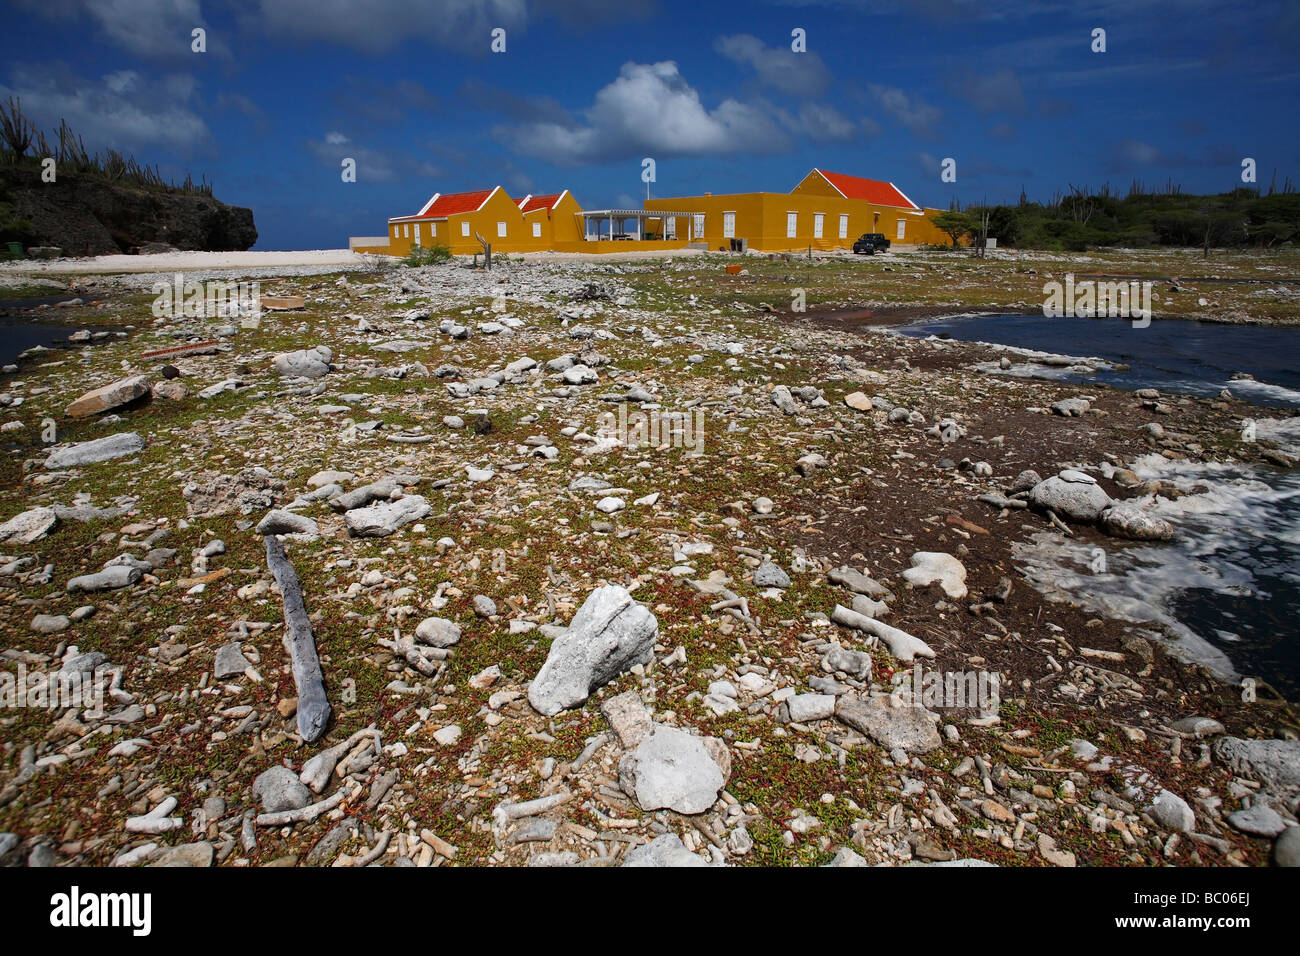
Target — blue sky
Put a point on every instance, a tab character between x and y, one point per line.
586	89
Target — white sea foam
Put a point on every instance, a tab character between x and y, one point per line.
1238	536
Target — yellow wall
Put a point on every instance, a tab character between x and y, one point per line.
558	226
761	218
565	225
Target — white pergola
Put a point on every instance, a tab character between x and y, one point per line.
608	217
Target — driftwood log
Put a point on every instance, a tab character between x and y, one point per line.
313	707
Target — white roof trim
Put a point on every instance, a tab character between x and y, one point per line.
563	193
425	208
495	190
524	202
905	196
826	180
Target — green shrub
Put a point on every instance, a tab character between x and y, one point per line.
427	255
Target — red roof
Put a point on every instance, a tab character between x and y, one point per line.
541	202
871	190
452	204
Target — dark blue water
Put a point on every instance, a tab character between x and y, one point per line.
1231	576
16	336
1196	358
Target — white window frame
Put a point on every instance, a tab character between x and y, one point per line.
417	233
699	225
902	229
791	224
819	224
844	225
501	230
406	230
433	230
729	224
537	230
464	227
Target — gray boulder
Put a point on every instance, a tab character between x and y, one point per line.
108	397
380	520
438	632
1071	494
783	400
1274	763
109	579
769	575
672	769
29	526
1128	519
279	789
305	363
892	727
230	661
1259	820
610	634
278	521
666	850
98	449
1286	851
1172	811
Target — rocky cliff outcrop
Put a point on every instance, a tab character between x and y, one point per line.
89	216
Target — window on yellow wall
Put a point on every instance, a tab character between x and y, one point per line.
844	226
501	230
902	228
406	231
537	230
818	219
791	224
464	228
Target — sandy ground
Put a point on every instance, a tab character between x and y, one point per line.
305	258
183	261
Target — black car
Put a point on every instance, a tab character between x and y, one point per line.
869	243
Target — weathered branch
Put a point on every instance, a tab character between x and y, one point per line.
313	707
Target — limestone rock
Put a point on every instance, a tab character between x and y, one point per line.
909	728
380	520
610	634
671	769
929	567
107	397
279	789
29	526
1071	494
96	450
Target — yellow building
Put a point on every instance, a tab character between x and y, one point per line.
825	211
553	218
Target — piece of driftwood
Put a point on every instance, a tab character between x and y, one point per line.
313	707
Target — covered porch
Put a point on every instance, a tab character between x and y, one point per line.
612	225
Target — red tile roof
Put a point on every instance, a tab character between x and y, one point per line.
452	204
871	190
541	202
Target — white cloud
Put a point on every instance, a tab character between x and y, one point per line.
373	165
380	24
913	112
116	112
151	29
800	74
650	110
